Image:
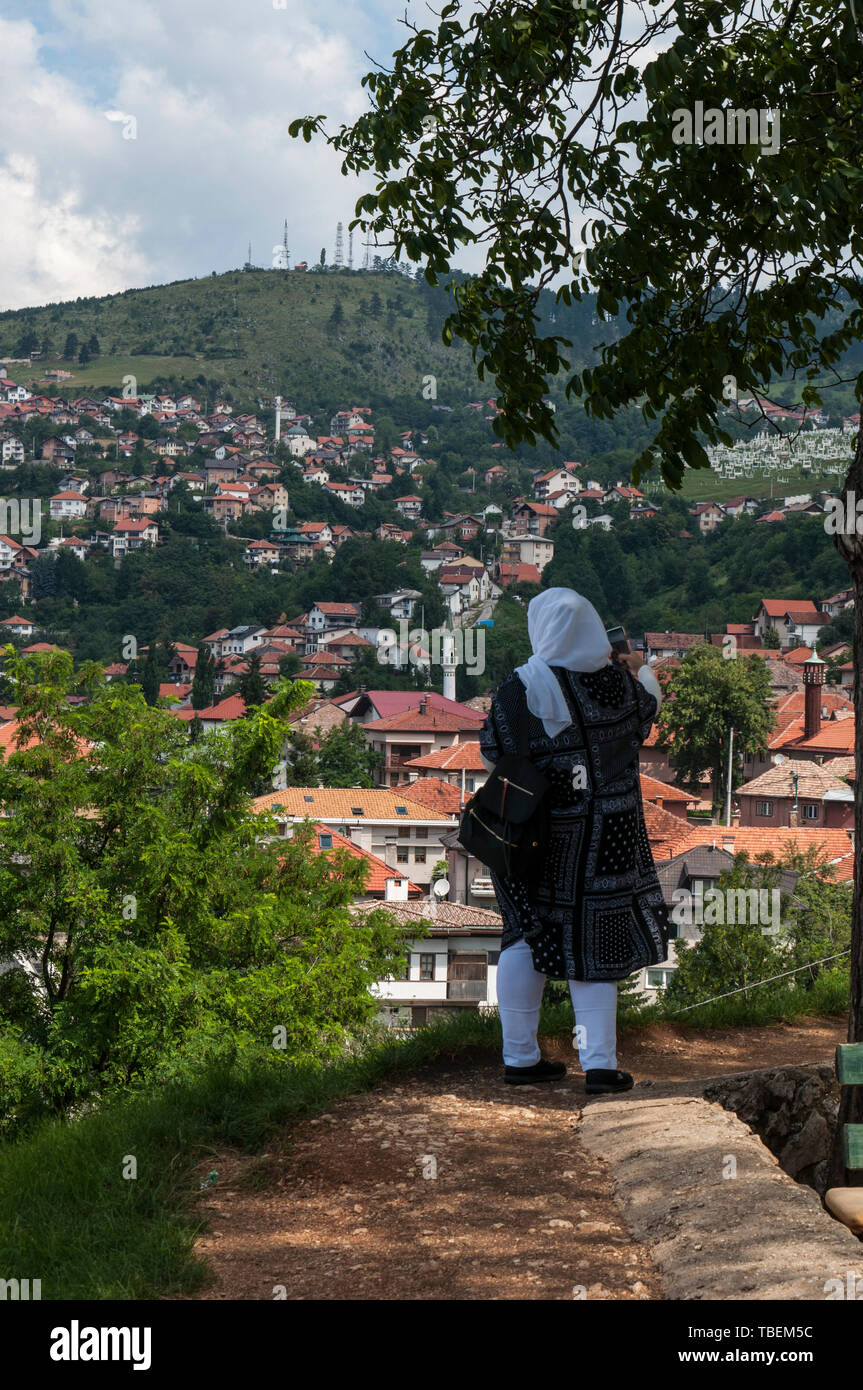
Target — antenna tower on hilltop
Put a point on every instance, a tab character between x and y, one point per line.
351	249
285	245
339	258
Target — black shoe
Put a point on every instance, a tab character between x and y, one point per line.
598	1082
540	1071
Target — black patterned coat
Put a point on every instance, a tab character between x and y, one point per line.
593	909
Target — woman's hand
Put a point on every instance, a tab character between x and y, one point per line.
632	660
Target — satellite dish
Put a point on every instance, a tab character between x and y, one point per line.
441	887
779	759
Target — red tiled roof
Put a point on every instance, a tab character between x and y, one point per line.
778	607
389	702
459	755
757	840
433	720
798	656
379	871
436	794
233	707
654	790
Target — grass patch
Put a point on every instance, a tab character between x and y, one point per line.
829	996
70	1218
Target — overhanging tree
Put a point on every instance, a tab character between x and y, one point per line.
545	134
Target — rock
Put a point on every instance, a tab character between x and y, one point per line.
807	1148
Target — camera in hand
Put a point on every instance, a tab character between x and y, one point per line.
617	639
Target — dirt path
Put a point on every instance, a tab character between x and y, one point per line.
451	1185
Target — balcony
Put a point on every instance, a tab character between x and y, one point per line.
466	989
481	888
398	760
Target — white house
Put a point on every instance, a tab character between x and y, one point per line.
796	622
67	506
454	967
382	820
11	452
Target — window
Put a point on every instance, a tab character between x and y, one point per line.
401	810
421	832
658	977
325	841
407	965
809	812
426	967
308	798
469	784
356	810
404	832
764	808
419	856
402	854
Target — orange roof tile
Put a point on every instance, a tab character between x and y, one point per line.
347	804
379	871
652	789
458	756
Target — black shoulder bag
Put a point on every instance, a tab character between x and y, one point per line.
506	821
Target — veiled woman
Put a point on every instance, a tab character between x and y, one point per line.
592	910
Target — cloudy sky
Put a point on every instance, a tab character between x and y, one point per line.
211	86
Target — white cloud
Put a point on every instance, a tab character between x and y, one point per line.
212	89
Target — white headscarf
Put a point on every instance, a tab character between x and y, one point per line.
565	630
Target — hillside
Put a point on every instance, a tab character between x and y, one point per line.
323	339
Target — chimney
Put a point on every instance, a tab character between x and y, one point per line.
423	705
813	679
396	890
728	844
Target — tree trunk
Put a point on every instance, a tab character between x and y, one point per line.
850	547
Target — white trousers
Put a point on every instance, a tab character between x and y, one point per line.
519	995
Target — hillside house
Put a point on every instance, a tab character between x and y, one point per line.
384	822
533	518
524	549
797	792
796	622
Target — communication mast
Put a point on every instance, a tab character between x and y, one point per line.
285	244
351	249
339	258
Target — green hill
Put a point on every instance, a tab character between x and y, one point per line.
323	340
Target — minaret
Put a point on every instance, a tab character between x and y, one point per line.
278	418
448	664
813	679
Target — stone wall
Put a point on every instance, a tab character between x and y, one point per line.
793	1110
